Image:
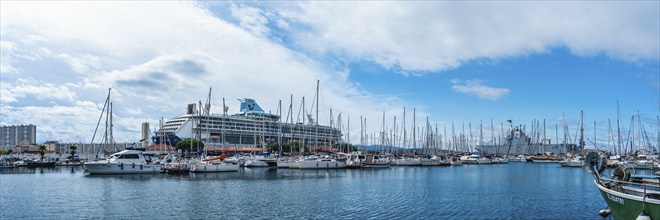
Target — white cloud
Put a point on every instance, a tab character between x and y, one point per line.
41	91
157	57
6	96
437	36
81	64
133	111
251	19
476	87
7	49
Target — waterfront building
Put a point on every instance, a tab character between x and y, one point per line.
145	131
12	136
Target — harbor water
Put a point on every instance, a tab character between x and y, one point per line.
507	191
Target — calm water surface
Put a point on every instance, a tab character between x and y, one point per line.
510	191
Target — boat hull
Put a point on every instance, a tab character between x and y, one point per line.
321	164
413	162
256	163
625	206
283	164
571	163
544	161
114	168
375	165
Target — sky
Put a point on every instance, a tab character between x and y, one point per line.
465	63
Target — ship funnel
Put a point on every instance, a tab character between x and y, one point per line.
249	105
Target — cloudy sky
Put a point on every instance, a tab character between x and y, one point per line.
460	62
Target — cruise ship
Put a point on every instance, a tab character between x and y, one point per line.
252	126
518	143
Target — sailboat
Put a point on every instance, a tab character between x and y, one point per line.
213	164
123	162
320	161
573	159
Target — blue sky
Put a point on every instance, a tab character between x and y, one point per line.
461	62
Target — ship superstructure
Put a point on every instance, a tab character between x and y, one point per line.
252	126
518	143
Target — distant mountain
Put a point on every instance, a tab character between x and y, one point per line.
377	148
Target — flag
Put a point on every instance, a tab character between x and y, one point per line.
509	121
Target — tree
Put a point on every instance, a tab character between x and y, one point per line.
348	147
286	147
185	145
42	151
72	150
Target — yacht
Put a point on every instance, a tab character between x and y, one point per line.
213	165
325	162
123	162
260	161
575	161
476	159
376	161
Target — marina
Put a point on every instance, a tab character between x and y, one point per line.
511	191
457	179
330	110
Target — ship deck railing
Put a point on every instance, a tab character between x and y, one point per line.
648	189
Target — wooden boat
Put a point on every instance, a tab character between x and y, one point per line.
625	196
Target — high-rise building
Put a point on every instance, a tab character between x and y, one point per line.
13	135
145	134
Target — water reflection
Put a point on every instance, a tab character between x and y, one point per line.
216	176
126	176
40	170
466	192
16	170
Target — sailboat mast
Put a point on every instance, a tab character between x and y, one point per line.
224	117
361	131
453	137
414	133
348	129
394	143
609	136
437	138
445	139
304	134
111	137
404	128
481	136
581	130
279	136
316	125
382	135
618	129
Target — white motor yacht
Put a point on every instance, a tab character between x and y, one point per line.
123	162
